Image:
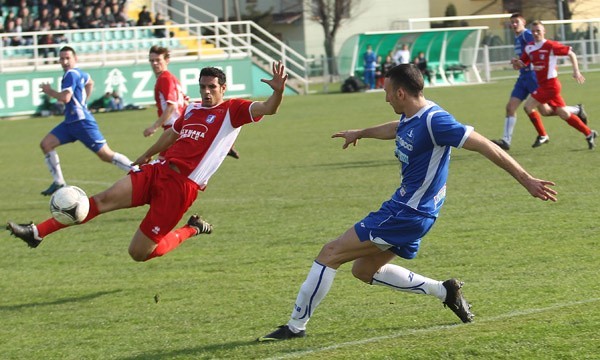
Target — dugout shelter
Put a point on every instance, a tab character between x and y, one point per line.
451	53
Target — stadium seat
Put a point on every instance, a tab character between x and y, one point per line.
77	37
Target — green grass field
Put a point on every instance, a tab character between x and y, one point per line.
530	268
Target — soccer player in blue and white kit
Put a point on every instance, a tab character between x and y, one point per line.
79	123
525	85
424	136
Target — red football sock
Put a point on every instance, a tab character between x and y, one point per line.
576	122
172	240
50	225
536	120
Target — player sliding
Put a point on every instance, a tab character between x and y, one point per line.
79	124
195	147
424	136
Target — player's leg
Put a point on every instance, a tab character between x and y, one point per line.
345	248
106	154
169	195
89	134
48	145
519	93
118	196
575	122
530	106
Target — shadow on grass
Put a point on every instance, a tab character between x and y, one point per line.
193	352
59	301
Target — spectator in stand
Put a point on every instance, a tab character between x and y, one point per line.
55	14
160	21
14	40
387	65
108	18
58	38
71	22
26	18
47	41
43	5
9	17
87	18
44	15
144	18
119	15
98	21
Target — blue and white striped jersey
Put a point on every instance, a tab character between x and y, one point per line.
423	146
74	80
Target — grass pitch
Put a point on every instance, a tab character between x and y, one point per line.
530	267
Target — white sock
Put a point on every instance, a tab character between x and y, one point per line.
573	109
122	161
399	278
313	290
509	127
52	161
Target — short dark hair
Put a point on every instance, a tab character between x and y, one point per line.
213	72
68	48
517	15
408	77
159	50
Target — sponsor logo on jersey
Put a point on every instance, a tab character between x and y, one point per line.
401	156
198	132
405	143
440	195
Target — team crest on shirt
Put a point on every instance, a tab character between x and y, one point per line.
210	119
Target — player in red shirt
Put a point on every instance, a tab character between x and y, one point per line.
541	55
195	146
168	94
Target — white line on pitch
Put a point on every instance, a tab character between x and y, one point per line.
431	329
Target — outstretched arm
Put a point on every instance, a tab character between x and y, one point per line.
277	83
537	187
576	74
385	131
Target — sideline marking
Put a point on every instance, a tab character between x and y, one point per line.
430	329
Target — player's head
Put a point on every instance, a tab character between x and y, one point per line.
159	59
213	84
538	30
517	23
402	81
67	58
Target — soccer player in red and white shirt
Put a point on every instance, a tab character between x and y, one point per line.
194	148
542	55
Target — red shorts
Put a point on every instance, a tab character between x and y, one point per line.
168	193
549	94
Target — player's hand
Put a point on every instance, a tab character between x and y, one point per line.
578	77
541	190
45	87
142	160
350	137
277	83
149	131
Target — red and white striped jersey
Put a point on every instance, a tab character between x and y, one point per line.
543	57
206	134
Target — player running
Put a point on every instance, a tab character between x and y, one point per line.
542	55
79	123
195	145
525	85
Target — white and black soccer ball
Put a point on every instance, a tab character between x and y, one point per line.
69	205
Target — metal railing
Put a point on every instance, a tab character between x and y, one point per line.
130	45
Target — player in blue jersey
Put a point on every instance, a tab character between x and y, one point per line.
525	85
79	124
424	136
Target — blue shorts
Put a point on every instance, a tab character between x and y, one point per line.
395	227
86	131
525	85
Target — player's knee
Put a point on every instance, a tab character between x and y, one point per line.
361	273
137	255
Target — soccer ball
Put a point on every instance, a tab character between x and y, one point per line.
69	205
